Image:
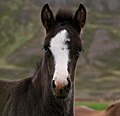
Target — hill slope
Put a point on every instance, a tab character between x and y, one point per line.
98	72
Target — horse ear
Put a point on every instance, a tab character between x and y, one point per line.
47	17
80	17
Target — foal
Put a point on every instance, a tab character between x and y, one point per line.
50	92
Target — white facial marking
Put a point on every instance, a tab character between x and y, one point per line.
60	52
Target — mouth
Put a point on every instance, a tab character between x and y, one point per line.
62	93
61	97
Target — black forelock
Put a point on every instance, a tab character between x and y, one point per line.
64	16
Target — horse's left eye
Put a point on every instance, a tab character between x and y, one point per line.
78	52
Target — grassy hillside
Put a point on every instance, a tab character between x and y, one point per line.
98	71
94	105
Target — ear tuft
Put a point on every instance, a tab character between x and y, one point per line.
82	7
46	6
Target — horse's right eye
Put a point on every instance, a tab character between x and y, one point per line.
46	49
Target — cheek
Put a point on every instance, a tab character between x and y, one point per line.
50	65
71	67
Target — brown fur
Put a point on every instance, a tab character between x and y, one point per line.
112	110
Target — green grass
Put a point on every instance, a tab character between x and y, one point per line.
93	105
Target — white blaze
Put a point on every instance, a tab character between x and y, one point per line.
60	52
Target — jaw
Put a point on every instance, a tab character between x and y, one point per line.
61	97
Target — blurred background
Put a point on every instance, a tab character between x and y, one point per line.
22	35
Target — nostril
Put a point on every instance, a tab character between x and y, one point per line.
69	83
53	84
67	87
61	89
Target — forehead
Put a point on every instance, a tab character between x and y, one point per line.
60	40
63	36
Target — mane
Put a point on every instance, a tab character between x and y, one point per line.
64	15
37	67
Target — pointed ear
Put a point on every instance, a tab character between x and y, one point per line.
47	17
80	17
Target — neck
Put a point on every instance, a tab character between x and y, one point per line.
51	105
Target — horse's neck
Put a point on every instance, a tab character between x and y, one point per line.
50	104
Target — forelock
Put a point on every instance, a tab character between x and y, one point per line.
64	16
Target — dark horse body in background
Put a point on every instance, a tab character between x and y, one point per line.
50	92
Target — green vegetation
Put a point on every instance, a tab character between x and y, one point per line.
17	26
93	105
